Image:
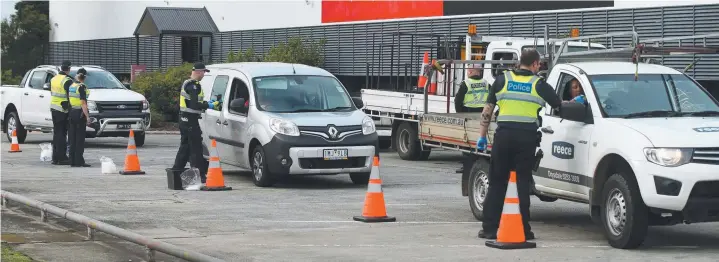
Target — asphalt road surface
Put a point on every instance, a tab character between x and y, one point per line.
305	219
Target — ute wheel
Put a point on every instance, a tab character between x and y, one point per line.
360	178
624	216
407	141
13	123
260	173
478	186
140	139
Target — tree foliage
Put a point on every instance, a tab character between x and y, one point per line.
25	37
295	50
162	89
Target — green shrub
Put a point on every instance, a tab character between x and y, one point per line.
295	50
9	79
247	56
162	89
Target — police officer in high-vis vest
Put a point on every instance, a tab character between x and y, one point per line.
79	115
520	95
473	94
192	104
59	109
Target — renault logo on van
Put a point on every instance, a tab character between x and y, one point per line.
121	107
332	131
562	150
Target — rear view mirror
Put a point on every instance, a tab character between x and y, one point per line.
573	111
238	105
358	102
46	86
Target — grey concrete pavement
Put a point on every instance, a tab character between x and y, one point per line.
310	218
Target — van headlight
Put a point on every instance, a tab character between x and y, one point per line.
669	157
284	127
368	126
91	107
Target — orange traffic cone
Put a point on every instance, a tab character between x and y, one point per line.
374	207
215	180
511	229
14	147
132	162
422	80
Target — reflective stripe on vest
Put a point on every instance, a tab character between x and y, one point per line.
74	94
57	91
477	90
184	96
518	100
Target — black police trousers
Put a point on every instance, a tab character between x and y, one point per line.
190	147
513	149
76	137
59	135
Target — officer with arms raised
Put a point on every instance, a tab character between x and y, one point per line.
78	119
520	95
59	109
192	104
473	94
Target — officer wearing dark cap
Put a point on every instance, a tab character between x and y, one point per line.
78	119
59	108
192	104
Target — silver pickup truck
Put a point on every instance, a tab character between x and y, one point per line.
281	119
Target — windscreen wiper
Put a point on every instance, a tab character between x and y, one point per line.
655	113
304	110
339	108
702	113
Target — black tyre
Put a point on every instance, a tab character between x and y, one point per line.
360	178
260	173
624	216
140	139
478	186
13	123
407	142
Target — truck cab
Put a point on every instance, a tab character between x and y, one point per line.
280	119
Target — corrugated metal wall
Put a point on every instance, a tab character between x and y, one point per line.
350	47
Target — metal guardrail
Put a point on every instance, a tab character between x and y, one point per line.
152	245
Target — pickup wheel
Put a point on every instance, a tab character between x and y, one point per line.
260	173
624	216
13	123
360	178
139	139
478	186
408	146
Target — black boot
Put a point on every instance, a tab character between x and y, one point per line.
486	235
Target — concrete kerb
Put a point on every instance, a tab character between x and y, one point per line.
152	245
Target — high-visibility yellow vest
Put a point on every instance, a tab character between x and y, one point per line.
184	96
518	100
75	101
57	91
477	90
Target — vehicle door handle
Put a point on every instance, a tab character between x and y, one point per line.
26	93
225	123
42	95
547	130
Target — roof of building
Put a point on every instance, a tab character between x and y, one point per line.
176	21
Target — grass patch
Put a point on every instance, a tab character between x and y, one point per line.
9	255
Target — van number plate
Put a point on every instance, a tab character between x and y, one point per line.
335	154
124	126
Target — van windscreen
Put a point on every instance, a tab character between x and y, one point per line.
287	94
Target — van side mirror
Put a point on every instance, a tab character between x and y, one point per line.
358	102
573	111
46	87
238	105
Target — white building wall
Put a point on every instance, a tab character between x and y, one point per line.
101	19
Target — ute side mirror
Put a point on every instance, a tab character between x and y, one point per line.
46	87
238	105
127	85
358	102
573	111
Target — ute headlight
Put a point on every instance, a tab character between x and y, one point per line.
368	126
284	127
92	107
669	157
145	105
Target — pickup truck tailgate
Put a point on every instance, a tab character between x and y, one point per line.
455	129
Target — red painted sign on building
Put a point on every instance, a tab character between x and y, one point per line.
347	11
136	70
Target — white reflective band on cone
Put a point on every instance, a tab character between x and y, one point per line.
132	151
510	209
374	188
214	164
511	191
132	142
374	174
14	140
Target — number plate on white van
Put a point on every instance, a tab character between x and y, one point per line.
335	154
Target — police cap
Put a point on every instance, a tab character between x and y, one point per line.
200	66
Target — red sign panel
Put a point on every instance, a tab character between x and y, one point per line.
136	70
347	11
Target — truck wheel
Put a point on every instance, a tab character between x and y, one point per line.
260	173
139	139
360	178
478	187
13	123
408	146
624	215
